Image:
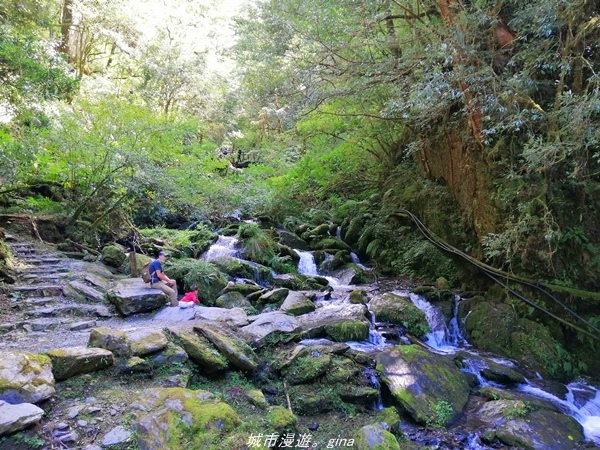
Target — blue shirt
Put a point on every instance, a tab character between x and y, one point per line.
154	266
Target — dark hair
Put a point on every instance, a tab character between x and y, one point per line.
193	287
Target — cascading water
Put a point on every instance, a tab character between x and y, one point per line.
307	265
582	401
371	377
444	337
225	246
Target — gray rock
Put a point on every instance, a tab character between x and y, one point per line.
314	323
144	341
276	296
74	411
296	304
422	381
78	326
375	437
17	417
234	350
234	316
111	339
174	314
268	323
232	299
78	290
71	361
116	436
25	377
132	295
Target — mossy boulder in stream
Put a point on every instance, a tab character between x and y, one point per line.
399	310
428	386
517	424
238	268
529	342
347	330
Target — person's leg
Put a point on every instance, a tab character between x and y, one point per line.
171	292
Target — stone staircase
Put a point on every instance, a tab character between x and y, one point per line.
53	301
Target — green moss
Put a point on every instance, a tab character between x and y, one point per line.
209	279
359	296
306	368
373	437
347	330
280	419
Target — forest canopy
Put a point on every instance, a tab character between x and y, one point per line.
481	117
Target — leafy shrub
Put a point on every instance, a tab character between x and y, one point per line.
207	277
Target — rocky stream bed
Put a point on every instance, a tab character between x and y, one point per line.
90	359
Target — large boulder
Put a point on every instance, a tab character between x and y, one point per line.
145	341
314	324
512	422
274	297
176	418
132	296
232	299
18	417
71	361
234	316
238	268
237	352
296	304
113	256
25	377
399	310
292	240
116	341
80	291
374	437
271	327
199	350
428	386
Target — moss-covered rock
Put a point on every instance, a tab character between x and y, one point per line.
330	243
176	418
400	310
237	352
515	424
280	419
113	256
257	398
296	304
424	383
359	296
239	268
529	342
307	368
373	437
116	341
347	330
274	297
146	341
25	377
71	361
199	349
243	288
232	299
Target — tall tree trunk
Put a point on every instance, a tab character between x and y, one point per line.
65	27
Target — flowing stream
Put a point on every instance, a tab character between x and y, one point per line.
582	401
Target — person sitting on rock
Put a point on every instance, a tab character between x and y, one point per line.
190	299
160	281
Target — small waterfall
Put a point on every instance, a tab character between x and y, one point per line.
307	265
225	246
371	377
441	337
356	260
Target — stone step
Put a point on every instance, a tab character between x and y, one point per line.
40	324
9	237
39	301
41	270
38	290
37	261
44	276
